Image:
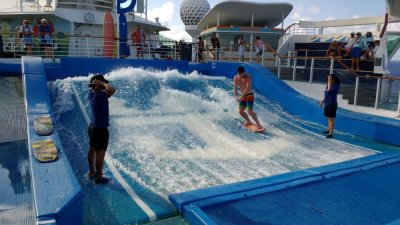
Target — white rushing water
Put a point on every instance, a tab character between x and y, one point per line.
172	132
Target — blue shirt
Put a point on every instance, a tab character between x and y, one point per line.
47	30
99	105
331	95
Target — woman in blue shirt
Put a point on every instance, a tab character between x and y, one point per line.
330	102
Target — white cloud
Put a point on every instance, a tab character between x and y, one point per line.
296	15
165	12
314	9
177	32
349	29
356	16
305	18
330	18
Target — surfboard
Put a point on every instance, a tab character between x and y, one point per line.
45	150
108	33
253	128
43	125
123	36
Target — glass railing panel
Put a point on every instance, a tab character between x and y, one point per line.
366	92
389	97
302	74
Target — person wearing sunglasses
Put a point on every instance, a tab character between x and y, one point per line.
45	39
25	32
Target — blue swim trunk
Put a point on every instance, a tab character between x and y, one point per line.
356	52
247	102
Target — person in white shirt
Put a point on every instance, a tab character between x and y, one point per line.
349	45
26	32
259	49
241	48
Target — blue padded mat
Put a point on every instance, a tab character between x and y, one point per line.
368	197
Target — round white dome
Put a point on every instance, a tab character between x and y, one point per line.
192	11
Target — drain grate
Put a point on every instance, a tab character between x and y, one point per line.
12	110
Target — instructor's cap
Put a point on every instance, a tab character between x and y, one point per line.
97	77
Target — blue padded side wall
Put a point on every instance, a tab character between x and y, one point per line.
57	192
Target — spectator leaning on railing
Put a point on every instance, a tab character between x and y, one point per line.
370	45
216	46
200	49
45	39
356	52
259	49
241	48
349	45
139	39
26	32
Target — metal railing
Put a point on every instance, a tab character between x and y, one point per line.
93	46
292	30
231	53
304	68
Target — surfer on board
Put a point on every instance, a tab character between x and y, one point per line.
246	99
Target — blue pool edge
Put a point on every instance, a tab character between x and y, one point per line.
63	201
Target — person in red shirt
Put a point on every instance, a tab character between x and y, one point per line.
138	38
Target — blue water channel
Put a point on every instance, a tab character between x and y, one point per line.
172	132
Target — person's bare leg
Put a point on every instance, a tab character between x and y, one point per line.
99	163
331	122
91	156
353	63
255	118
357	63
29	50
245	116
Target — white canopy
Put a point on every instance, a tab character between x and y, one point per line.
241	13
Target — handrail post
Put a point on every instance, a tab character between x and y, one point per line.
207	53
175	52
149	51
262	56
312	69
305	60
332	66
398	105
87	47
378	92
251	52
279	67
356	91
294	69
230	52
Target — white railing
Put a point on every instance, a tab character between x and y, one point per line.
382	100
88	46
293	30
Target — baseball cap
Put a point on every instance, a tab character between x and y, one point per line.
97	77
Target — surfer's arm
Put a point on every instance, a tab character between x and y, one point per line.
246	88
235	84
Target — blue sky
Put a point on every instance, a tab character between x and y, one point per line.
168	11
